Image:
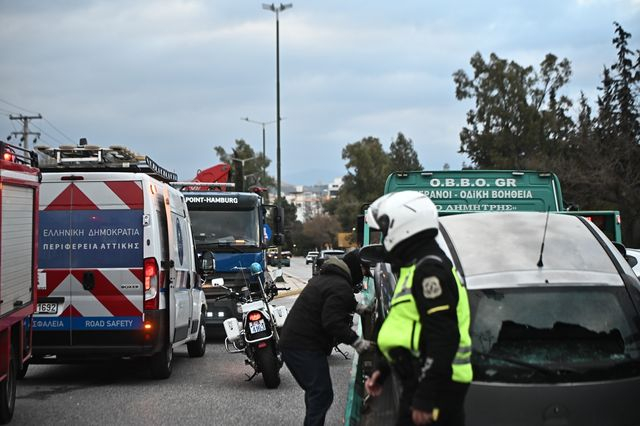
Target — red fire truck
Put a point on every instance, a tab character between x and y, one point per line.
19	185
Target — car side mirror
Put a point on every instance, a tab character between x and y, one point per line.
621	248
207	263
632	261
373	253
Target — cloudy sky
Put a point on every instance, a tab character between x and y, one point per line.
172	79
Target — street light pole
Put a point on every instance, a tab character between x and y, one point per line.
264	154
277	9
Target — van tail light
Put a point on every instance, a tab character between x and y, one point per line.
151	284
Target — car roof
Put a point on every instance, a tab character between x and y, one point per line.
503	249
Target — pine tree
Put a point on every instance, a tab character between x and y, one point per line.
402	155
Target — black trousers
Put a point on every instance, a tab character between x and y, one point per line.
450	401
311	371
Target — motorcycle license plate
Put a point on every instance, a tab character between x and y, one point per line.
257	326
47	308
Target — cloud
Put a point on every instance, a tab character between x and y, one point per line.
173	78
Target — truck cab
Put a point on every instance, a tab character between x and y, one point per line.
231	225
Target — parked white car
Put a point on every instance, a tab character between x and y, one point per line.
311	256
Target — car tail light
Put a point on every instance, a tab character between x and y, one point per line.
255	316
151	279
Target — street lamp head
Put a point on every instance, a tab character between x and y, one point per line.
272	7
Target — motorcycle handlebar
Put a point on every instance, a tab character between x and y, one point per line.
232	295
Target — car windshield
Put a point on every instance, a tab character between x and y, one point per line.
225	227
542	334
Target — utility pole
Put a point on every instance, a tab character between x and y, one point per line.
25	128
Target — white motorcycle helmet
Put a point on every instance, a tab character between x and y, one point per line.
401	215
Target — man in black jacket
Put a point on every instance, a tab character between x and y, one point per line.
320	319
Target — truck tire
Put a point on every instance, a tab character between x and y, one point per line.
198	347
161	363
8	390
269	367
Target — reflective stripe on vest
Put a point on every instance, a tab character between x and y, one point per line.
402	327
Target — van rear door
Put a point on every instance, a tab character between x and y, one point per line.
52	321
92	242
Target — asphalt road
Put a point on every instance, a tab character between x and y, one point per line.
209	390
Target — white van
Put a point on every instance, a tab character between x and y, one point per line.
117	268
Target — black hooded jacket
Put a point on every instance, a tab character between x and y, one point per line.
321	316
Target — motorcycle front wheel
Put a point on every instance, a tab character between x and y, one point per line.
269	367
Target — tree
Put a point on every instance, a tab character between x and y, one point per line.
521	120
321	231
606	150
250	172
292	226
402	155
519	116
367	168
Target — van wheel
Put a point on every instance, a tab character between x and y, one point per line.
23	371
162	363
8	390
198	347
268	365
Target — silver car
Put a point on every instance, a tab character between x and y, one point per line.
555	319
311	256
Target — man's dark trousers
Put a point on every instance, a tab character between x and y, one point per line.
311	371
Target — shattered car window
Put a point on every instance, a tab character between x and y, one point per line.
554	334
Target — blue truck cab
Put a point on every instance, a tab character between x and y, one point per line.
231	225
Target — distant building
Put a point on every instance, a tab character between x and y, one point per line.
308	199
334	187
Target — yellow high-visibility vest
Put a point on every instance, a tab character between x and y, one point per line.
402	327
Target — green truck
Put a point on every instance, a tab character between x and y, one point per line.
461	192
467	191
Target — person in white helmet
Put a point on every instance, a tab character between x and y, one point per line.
425	336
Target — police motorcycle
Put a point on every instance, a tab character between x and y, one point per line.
257	333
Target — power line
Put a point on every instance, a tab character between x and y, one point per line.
48	135
59	131
16	106
33	112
